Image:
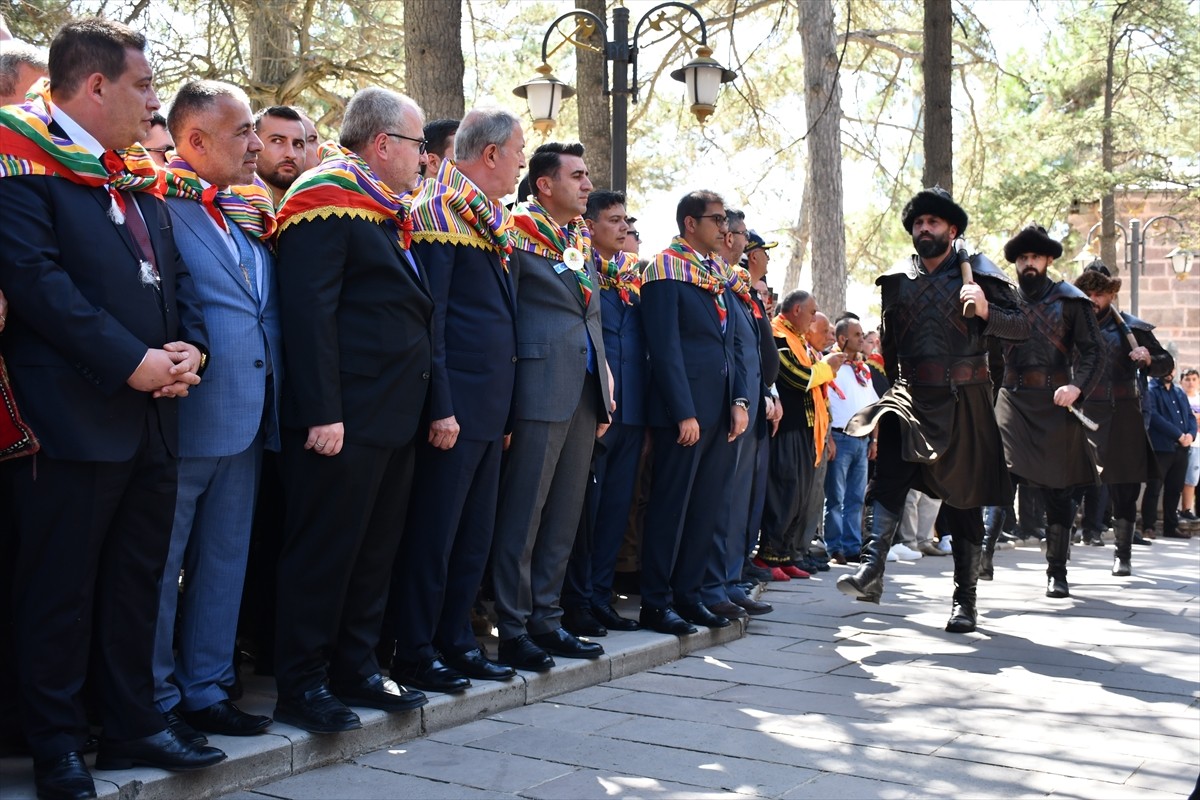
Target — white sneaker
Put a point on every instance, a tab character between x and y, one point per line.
905	553
891	556
944	544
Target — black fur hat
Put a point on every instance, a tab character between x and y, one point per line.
1032	239
936	201
1097	278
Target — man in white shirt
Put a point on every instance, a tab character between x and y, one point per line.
846	478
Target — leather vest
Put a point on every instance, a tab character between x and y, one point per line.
923	316
1043	361
1119	377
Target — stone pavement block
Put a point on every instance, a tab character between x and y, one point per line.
1166	776
559	716
479	769
1076	789
244	796
800	702
851	787
715	669
678	685
657	648
705	638
465	734
567	675
588	784
252	760
313	749
355	782
1060	759
481	700
592	695
661	761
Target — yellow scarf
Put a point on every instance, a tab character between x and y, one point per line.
819	374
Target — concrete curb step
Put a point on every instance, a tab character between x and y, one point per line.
285	750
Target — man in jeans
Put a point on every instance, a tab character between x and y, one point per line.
846	478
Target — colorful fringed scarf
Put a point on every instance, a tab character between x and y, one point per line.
739	284
451	210
535	232
679	262
343	185
621	273
799	368
28	147
250	206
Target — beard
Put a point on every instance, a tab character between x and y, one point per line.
280	181
1030	280
929	246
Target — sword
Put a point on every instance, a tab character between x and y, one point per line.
1084	419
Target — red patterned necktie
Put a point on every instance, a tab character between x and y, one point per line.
208	198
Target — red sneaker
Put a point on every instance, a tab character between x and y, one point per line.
792	571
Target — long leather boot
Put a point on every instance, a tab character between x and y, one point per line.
1123	530
993	525
866	583
967	557
1058	552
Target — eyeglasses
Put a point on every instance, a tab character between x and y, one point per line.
637	236
720	219
422	144
736	233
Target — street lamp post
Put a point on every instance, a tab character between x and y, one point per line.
702	76
1135	253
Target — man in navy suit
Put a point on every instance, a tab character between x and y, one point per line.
587	590
696	408
356	312
105	332
225	424
465	254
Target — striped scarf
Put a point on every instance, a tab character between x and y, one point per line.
251	207
535	232
621	273
343	185
799	369
679	262
450	210
739	284
28	147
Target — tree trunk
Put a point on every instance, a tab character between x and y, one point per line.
823	110
433	59
595	117
801	237
272	50
1108	211
939	123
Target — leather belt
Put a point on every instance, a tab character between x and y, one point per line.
1127	390
952	371
842	431
1035	378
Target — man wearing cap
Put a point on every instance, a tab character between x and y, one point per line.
937	431
1044	445
1115	405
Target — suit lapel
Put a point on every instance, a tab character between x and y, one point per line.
409	261
567	276
198	223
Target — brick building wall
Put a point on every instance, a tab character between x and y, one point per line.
1171	304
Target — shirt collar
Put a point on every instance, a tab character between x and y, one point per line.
75	132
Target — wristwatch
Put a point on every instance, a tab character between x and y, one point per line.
742	403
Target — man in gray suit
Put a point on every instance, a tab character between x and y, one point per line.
561	403
224	428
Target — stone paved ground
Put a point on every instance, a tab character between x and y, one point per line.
1094	696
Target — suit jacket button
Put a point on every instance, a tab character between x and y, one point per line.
258	362
424	376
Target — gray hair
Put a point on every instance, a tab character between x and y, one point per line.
481	127
793	299
373	111
14	53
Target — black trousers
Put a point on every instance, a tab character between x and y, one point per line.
91	540
345	517
1124	498
1172	467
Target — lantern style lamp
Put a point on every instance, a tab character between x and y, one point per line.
545	95
703	77
1181	262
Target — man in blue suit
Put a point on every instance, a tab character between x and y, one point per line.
587	590
697	407
224	427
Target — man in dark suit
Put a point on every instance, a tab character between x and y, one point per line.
696	408
587	590
226	423
104	332
561	405
356	312
440	565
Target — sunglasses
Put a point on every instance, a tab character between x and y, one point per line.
637	236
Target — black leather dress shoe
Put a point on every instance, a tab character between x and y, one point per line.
317	711
379	692
63	778
431	675
476	666
664	620
699	615
163	750
521	653
728	610
580	622
183	731
227	719
754	607
608	617
559	642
